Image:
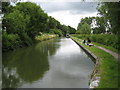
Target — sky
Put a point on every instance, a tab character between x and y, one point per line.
68	12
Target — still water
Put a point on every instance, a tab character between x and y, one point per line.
56	63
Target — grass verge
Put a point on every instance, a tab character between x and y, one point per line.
44	37
107	47
104	46
108	67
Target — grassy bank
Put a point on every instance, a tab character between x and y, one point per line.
15	41
44	37
108	41
107	68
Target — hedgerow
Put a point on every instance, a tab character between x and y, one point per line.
105	39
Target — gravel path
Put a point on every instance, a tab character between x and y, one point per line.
116	55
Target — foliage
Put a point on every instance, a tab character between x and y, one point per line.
56	31
107	21
110	12
96	25
84	29
87	20
101	27
109	40
37	20
10	41
6	7
45	37
15	22
27	19
26	40
71	30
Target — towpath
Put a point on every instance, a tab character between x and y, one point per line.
116	55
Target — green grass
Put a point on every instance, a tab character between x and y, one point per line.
45	37
107	41
108	67
107	47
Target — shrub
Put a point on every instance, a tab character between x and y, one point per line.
10	41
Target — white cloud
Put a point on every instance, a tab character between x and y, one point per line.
68	13
65	17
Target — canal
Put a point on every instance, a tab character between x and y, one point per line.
55	63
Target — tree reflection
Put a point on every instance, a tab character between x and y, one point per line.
9	80
30	63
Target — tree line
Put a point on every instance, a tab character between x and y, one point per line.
108	21
22	22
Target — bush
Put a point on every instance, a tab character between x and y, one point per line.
10	41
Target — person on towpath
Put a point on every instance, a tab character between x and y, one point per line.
88	41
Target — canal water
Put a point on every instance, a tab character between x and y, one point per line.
56	63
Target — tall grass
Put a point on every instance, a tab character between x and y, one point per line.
45	37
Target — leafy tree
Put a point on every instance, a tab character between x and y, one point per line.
71	30
15	22
85	29
100	25
85	25
5	6
52	23
25	20
56	31
110	10
10	41
99	22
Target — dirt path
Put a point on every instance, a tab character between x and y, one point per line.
116	55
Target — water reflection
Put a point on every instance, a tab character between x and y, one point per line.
57	63
26	65
69	67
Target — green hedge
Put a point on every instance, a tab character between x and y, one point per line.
105	39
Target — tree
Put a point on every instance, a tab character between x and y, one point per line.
38	19
15	22
56	31
110	10
5	6
84	29
100	25
85	23
25	20
71	30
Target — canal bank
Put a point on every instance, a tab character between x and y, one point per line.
94	76
12	45
44	37
105	66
